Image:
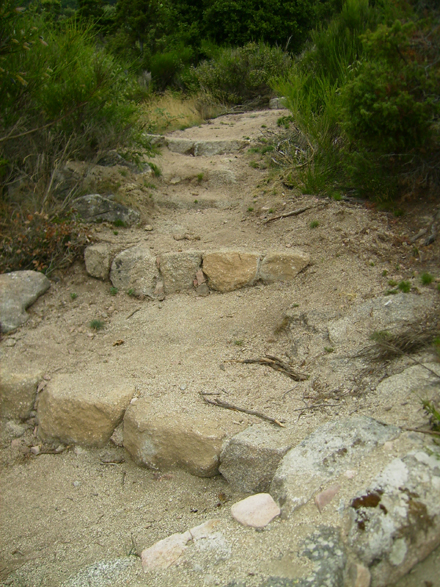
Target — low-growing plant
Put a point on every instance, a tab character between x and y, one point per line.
404	286
200	177
426	278
119	223
96	325
113	291
39	242
250	209
155	169
314	224
131	292
73	295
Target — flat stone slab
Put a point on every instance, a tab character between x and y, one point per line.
179	270
283	266
135	269
204	148
97	259
250	459
18	392
256	511
167	440
18	291
230	269
82	408
323	455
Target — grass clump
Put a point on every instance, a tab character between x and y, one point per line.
113	291
426	278
404	286
119	223
314	224
96	325
73	295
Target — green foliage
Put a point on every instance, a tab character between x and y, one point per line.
113	291
394	96
239	75
314	224
96	325
272	21
404	286
426	278
73	295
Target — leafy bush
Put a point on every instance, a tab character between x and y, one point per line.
71	101
42	244
239	75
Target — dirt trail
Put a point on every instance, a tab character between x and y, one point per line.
62	512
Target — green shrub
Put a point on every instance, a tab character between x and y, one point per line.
72	100
239	75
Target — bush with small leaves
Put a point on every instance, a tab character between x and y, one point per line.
96	325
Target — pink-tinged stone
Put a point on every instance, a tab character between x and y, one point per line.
165	553
204	530
256	511
325	497
358	576
350	474
16	443
200	278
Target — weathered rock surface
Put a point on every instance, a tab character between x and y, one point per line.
17	393
283	266
323	455
168	551
230	269
18	291
82	408
97	259
327	553
95	207
135	269
395	523
388	312
101	574
277	103
250	459
165	553
179	270
172	439
256	511
420	379
204	148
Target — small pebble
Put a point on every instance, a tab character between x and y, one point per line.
76	483
35	450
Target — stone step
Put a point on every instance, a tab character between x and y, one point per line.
194	148
224	270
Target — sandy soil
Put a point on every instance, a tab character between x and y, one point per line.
61	512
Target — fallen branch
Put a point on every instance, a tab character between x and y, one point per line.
296	212
430	432
222	404
275	364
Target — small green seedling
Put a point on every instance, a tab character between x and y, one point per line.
113	291
130	292
314	224
404	286
115	232
250	209
426	278
73	295
271	210
328	349
254	165
96	325
200	177
384	273
196	201
155	169
392	283
119	222
239	342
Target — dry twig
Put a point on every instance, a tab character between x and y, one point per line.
296	212
227	406
276	364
